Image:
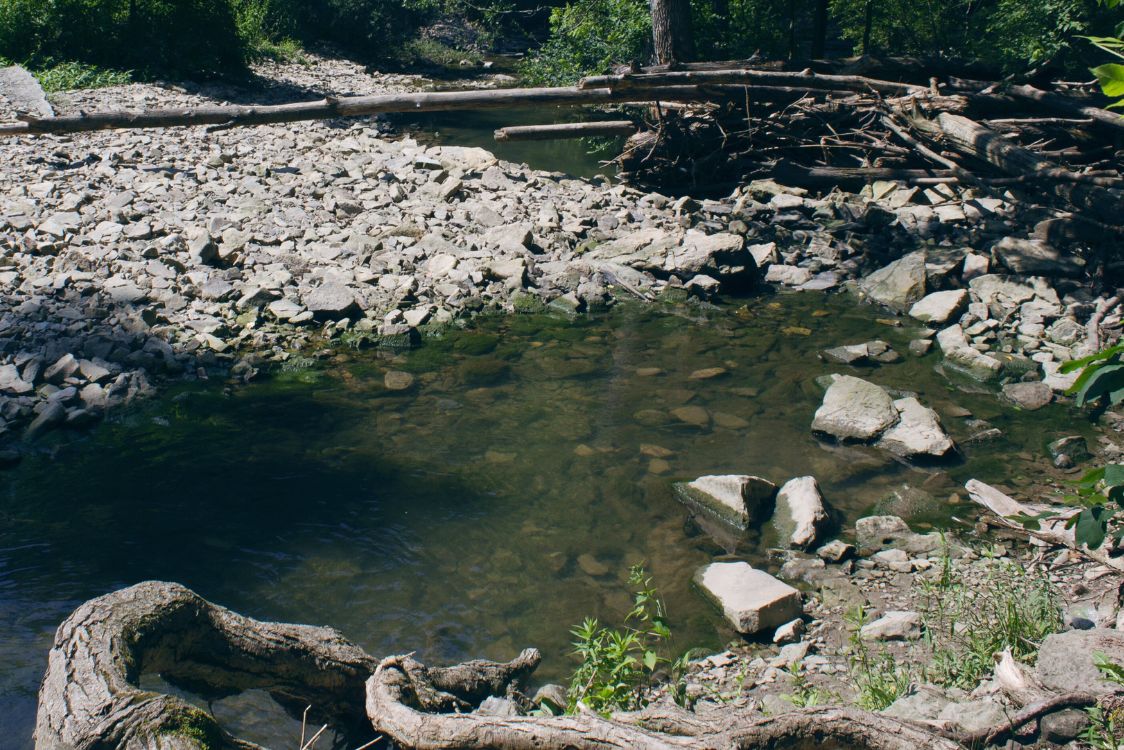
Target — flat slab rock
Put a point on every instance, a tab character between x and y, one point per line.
751	599
899	285
24	92
732	498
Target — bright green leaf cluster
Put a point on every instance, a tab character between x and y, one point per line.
617	665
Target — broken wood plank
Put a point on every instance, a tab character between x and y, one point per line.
561	131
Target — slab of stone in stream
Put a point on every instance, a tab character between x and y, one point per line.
24	92
751	599
732	498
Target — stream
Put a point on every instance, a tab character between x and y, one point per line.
488	507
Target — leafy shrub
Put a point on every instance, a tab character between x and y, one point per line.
589	36
72	75
190	36
617	665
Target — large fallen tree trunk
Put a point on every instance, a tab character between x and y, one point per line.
355	106
90	698
803	79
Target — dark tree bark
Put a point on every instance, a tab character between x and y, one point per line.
868	25
819	30
671	31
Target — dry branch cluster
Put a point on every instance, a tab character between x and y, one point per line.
819	130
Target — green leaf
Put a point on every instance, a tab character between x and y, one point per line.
1110	76
1105	379
1114	475
1092	525
651	660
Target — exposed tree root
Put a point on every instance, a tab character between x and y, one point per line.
90	699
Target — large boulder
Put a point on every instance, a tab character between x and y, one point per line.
751	599
1065	660
801	516
917	433
854	409
733	498
899	285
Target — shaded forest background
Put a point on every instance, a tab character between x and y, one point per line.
562	40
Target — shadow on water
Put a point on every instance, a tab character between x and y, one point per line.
488	507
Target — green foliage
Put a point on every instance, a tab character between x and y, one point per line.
969	619
73	75
804	694
1100	492
966	621
588	37
877	677
1010	33
617	665
1110	76
1106	727
190	36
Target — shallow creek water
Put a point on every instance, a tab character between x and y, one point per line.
490	507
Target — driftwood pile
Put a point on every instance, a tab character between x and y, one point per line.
819	131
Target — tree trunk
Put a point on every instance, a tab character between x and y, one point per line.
868	24
671	31
819	30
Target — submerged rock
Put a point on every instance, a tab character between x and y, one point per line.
733	498
751	599
800	516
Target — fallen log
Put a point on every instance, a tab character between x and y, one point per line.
396	708
803	79
788	173
356	106
611	128
1067	105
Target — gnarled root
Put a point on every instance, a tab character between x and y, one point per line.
90	699
90	696
399	696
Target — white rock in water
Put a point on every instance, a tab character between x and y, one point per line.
801	515
734	498
751	599
938	307
893	626
917	433
855	409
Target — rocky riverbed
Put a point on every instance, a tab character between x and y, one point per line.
132	257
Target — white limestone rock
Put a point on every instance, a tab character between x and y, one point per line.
917	433
751	599
854	409
732	498
938	307
800	515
